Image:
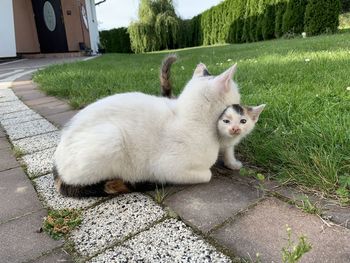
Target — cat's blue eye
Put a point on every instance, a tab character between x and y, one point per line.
226	121
243	121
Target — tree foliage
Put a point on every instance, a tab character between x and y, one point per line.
293	18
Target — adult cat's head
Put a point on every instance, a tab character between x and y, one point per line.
211	93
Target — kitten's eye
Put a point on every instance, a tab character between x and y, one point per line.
243	121
226	121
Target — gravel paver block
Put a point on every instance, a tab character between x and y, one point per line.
38	142
13	121
262	230
27	129
46	189
21	242
7	95
12	106
113	221
39	163
170	241
16	188
197	205
18	114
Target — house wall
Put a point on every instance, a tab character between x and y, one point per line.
75	29
93	27
7	30
25	27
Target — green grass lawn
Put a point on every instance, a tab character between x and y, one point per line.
303	136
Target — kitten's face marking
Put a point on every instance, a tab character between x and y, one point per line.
237	120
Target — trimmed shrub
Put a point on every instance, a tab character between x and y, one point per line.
268	23
322	16
115	40
280	8
259	19
293	18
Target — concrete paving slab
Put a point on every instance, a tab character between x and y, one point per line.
58	255
30	94
20	241
15	188
13	121
39	163
113	221
28	129
38	142
61	119
12	106
46	189
170	241
7	98
7	160
205	206
263	230
7	94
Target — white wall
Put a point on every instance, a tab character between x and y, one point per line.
92	19
7	30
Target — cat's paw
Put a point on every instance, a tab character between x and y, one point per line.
233	164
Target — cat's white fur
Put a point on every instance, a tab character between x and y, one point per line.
138	137
232	132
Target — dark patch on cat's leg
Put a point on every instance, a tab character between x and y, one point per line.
116	186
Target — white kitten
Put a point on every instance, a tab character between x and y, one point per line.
134	137
235	123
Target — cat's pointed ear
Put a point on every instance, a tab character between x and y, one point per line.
223	80
254	112
199	71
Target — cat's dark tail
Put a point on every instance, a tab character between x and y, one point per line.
100	189
165	84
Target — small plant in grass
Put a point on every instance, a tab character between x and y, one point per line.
58	223
160	194
305	204
17	152
343	191
293	252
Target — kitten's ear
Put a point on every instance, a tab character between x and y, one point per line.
199	71
223	80
254	112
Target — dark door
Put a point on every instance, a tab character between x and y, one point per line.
50	26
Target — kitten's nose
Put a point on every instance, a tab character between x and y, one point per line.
235	130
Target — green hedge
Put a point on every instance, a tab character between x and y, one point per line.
322	16
115	40
231	21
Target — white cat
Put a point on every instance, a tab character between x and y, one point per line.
134	137
235	123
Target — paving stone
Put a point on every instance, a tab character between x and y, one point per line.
113	221
2	132
46	189
27	129
39	163
18	86
12	106
7	159
170	241
16	188
30	94
38	142
7	95
20	241
4	144
38	101
52	108
58	255
199	207
339	215
13	121
61	119
262	230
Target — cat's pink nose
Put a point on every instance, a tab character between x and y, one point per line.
235	130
